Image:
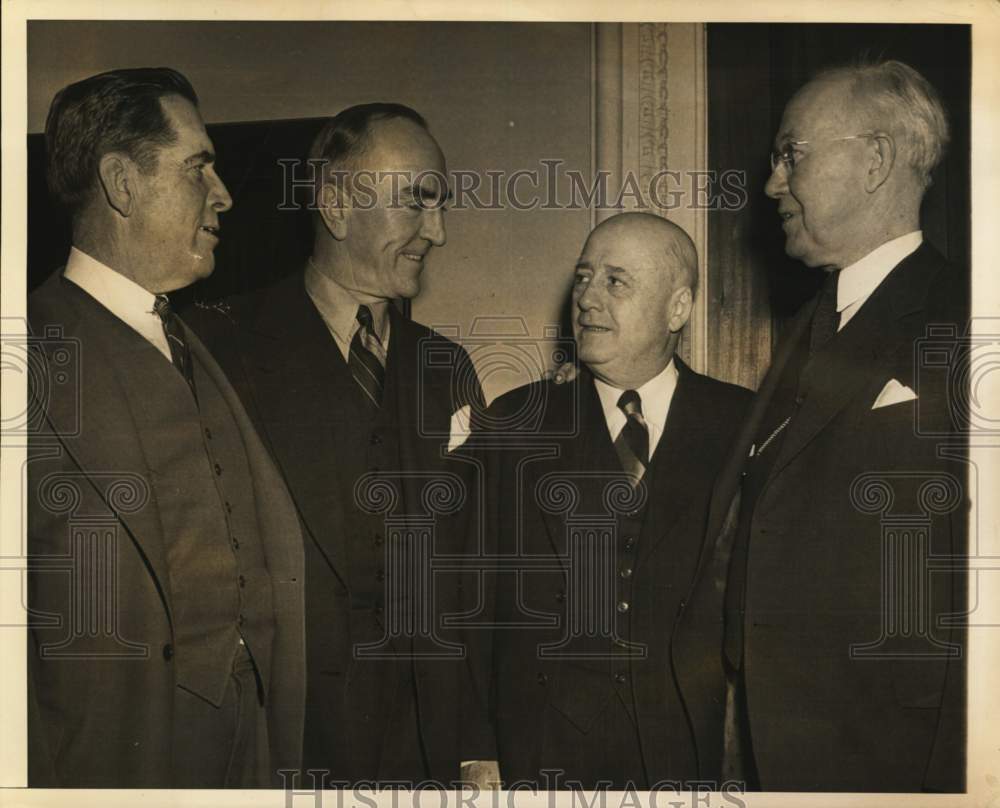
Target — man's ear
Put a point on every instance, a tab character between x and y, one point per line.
679	308
883	159
333	209
118	173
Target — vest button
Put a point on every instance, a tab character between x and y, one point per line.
168	652
622	606
629	543
208	433
375	439
229	508
379	575
625	572
542	678
241	620
218	470
236	543
243	581
621	678
378	539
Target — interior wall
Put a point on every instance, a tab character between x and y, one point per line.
499	97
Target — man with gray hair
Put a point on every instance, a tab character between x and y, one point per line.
841	670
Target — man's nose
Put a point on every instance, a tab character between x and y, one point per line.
589	299
221	201
777	183
432	226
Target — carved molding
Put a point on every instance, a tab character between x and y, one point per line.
654	99
649	116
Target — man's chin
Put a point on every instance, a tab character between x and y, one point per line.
801	253
205	267
589	355
407	293
200	267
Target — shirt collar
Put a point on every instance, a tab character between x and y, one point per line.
339	307
117	293
654	396
857	281
124	298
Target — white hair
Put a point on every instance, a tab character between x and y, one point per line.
895	95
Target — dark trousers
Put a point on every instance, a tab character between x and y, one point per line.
224	746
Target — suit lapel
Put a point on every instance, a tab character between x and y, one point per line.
585	461
292	363
671	479
723	507
841	371
416	407
109	444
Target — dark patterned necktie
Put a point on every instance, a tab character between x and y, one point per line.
826	318
180	354
367	359
632	443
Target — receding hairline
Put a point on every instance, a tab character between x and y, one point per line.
673	240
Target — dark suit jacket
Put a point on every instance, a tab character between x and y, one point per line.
840	696
281	357
546	433
95	721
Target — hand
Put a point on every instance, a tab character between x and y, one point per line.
563	374
483	774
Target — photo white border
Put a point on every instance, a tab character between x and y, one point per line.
984	15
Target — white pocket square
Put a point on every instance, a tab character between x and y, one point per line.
458	432
893	393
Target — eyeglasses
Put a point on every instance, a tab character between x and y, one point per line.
787	156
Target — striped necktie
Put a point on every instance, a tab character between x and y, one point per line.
632	443
367	359
180	354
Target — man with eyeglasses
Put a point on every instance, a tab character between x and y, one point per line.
839	671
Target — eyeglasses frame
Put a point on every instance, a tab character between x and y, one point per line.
788	161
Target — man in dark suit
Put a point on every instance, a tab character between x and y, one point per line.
841	668
357	403
598	489
165	558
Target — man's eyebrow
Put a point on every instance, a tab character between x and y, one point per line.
581	264
786	137
431	194
201	157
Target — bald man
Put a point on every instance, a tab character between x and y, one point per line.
611	475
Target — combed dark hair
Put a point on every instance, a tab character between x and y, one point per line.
894	94
345	137
114	111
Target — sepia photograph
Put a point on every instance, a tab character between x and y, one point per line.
579	406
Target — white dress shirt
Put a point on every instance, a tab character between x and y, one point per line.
339	309
654	398
123	297
856	282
